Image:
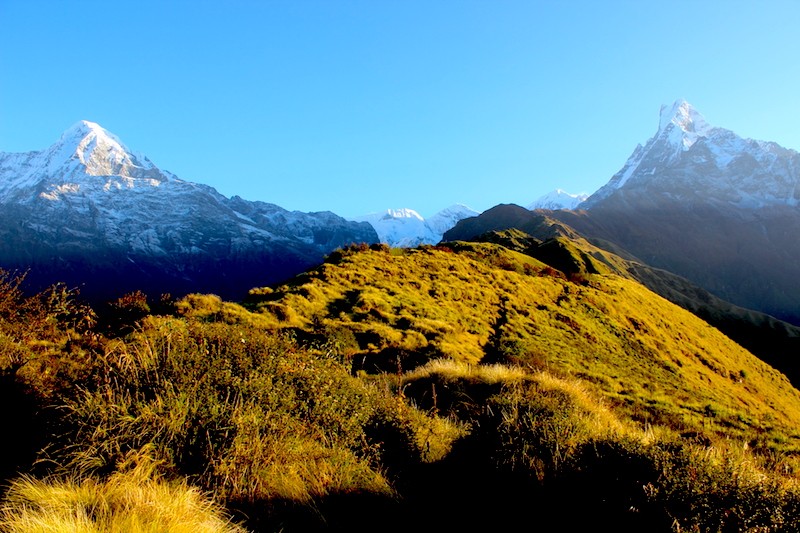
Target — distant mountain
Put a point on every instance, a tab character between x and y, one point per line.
558	199
708	205
92	213
508	216
405	228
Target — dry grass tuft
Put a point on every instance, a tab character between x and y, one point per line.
130	501
450	370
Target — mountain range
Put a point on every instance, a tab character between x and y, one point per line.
695	200
406	228
90	212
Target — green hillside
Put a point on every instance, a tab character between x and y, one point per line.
540	235
461	387
474	303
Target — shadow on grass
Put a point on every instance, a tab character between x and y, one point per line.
466	493
24	427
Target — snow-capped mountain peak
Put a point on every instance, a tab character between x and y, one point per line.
392	214
558	199
689	159
84	152
406	228
683	115
101	153
682	124
84	128
447	218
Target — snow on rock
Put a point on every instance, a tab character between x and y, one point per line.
682	124
405	228
558	199
91	183
691	160
447	218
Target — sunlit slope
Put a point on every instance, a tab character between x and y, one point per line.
660	364
771	340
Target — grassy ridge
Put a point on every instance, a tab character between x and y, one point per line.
387	385
486	303
538	235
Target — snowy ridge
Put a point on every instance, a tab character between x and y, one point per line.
110	197
558	199
84	151
691	160
405	228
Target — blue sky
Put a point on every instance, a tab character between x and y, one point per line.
359	106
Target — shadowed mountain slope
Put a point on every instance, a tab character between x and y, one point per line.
706	204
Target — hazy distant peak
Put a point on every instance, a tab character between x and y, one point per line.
457	208
407	228
558	199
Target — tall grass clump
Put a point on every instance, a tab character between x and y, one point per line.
722	487
132	500
568	443
240	411
539	425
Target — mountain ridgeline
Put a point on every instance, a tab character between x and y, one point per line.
91	213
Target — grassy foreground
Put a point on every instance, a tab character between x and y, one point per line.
459	387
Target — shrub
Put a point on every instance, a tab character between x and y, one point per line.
721	488
240	411
120	315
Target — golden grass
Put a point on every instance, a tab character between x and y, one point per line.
398	357
451	370
286	463
600	421
126	502
656	362
436	435
212	308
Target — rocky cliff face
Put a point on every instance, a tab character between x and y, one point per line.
92	213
